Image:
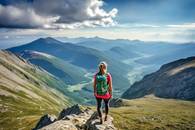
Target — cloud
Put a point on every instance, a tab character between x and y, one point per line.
56	14
137	25
183	26
13	17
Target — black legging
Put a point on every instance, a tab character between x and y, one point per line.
99	104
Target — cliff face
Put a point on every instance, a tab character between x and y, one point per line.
172	80
74	118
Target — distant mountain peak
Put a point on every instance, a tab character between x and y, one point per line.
48	40
51	39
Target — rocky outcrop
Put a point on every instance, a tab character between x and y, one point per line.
76	117
45	120
76	109
94	124
172	80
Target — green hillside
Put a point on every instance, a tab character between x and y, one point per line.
26	93
67	72
155	113
152	113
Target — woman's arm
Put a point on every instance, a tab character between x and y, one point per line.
94	84
110	86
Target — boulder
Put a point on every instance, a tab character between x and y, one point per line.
75	109
45	120
60	125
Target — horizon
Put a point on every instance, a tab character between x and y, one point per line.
10	43
172	20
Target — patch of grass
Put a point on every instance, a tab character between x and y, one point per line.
23	113
151	113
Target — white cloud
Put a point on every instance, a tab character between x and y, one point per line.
137	25
52	14
183	26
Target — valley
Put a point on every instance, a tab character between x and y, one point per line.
138	70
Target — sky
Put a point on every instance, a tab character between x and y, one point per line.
147	20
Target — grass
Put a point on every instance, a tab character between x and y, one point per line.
18	113
24	112
151	113
27	96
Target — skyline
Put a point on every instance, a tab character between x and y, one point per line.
146	20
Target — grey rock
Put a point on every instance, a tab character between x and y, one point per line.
79	120
76	118
45	120
76	109
60	125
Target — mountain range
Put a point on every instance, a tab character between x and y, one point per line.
85	60
76	63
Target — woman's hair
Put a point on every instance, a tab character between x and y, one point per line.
102	63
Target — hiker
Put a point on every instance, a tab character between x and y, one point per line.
102	89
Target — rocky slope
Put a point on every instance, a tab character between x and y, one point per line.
172	80
76	117
26	92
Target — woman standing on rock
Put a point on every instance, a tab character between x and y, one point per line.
102	89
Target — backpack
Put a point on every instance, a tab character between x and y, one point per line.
102	83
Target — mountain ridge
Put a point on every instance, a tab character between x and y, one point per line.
26	92
172	80
58	67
